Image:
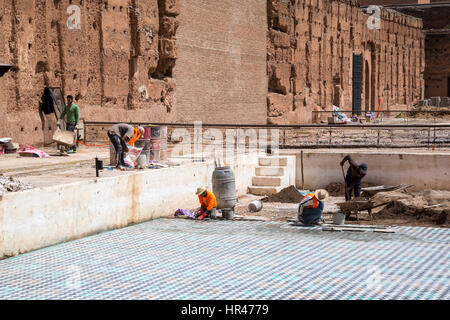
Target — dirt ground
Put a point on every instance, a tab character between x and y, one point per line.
276	211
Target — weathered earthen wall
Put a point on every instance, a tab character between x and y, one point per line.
436	24
310	47
221	67
115	64
226	61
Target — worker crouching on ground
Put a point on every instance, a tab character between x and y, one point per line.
311	207
122	135
208	203
355	174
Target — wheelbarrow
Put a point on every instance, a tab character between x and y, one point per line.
369	192
358	205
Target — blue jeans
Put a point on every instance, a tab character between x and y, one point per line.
117	143
311	215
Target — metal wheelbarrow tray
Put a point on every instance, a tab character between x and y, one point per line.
371	191
358	205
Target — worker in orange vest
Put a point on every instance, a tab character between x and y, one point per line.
311	207
208	203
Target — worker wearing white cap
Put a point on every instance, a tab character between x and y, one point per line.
311	207
122	135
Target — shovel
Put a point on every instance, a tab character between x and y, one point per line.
345	183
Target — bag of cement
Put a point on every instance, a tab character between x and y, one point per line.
132	156
141	161
65	138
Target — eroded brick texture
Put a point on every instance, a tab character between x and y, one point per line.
436	25
116	65
309	59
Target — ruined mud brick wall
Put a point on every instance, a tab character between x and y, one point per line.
310	47
437	70
114	65
436	24
221	66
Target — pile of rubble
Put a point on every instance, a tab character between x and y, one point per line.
286	195
9	184
429	205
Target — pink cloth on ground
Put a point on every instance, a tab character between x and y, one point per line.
30	149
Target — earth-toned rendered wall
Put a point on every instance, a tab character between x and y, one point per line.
310	46
224	61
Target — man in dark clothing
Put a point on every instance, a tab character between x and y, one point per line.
355	173
120	135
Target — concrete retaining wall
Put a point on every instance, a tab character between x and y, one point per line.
42	217
424	171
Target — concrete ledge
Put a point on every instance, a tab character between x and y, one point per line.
46	216
423	170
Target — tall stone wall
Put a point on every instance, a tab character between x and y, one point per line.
436	24
310	47
224	61
117	64
221	66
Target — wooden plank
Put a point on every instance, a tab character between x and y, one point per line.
384	230
357	229
356	226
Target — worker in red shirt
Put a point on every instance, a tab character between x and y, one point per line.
311	207
208	203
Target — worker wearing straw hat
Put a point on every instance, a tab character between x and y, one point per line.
311	207
208	203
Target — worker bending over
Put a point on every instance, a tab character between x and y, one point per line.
311	207
355	174
122	135
208	203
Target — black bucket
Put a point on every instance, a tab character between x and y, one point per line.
99	164
228	214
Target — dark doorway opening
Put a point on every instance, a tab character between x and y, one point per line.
366	86
357	83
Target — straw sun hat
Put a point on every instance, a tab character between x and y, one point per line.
321	194
200	190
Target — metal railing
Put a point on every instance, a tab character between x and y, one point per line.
406	115
307	136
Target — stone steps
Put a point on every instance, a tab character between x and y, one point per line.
270	171
270	181
264	190
273	161
270	177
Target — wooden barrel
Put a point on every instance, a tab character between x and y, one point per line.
155	143
146	133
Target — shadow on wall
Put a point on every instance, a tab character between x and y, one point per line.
4	68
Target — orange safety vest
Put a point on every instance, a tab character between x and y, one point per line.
135	137
209	201
315	201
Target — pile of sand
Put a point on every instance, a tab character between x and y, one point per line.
336	189
287	195
9	184
421	206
